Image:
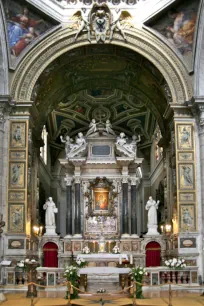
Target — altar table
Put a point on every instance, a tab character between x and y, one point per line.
103	257
121	273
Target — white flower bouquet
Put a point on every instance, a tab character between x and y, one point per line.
86	250
116	250
175	263
80	262
137	274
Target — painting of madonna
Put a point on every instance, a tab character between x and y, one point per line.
22	28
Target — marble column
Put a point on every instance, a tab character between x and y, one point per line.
125	215
69	207
134	208
77	213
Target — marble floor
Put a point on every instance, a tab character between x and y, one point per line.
180	298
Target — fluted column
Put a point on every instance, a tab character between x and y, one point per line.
125	215
68	181
77	212
134	207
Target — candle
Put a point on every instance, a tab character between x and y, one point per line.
109	246
94	248
131	259
120	260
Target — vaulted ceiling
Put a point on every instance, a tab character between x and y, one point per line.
101	82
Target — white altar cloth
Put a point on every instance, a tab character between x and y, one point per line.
104	270
102	256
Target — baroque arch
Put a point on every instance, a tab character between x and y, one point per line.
139	41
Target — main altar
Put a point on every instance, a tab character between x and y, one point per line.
102	175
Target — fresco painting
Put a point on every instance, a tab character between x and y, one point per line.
178	26
23	25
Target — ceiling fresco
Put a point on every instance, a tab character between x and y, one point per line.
101	82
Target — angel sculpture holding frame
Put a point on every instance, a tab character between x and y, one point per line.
115	24
85	24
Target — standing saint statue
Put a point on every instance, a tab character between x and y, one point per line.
152	224
51	210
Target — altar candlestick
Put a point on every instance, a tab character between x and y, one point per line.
131	259
94	248
120	259
109	246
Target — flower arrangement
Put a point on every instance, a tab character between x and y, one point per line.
116	250
80	262
86	250
72	275
101	290
137	274
175	263
23	263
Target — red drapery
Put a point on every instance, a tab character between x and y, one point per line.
153	254
50	251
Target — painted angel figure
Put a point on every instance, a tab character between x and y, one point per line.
85	24
115	24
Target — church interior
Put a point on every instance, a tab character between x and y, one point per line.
101	143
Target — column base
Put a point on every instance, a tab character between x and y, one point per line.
68	236
125	236
134	236
75	236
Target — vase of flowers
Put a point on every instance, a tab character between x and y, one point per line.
116	250
137	274
175	263
72	275
86	250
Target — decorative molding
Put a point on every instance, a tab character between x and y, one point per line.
77	180
137	39
125	179
68	180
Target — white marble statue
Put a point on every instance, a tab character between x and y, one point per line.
127	149
79	147
68	144
92	127
152	224
51	210
109	129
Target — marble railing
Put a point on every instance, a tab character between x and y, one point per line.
163	275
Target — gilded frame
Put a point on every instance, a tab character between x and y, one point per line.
187	217
16	218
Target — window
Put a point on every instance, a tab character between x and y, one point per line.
43	150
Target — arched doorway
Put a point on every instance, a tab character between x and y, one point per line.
153	254
50	251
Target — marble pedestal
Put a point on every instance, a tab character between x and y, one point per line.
152	230
50	231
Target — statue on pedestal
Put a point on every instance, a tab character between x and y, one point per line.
51	210
152	224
